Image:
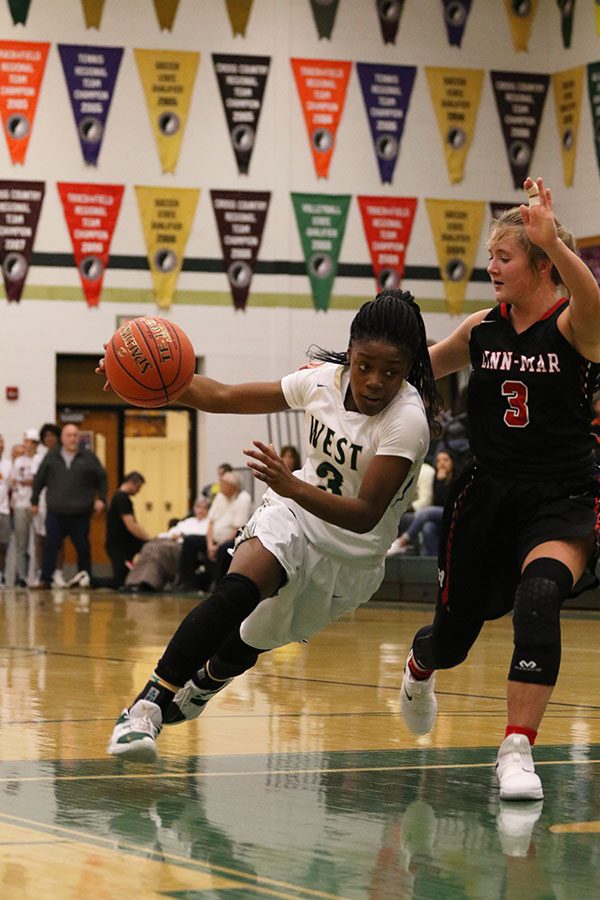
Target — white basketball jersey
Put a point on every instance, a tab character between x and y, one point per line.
340	445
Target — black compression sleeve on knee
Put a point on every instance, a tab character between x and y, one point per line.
233	657
544	586
204	629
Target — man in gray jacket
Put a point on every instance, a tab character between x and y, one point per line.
76	483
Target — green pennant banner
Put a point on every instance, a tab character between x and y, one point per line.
19	10
567	11
321	222
324	12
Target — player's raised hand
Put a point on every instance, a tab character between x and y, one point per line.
269	468
538	215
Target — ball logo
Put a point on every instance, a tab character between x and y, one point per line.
456	138
389	10
169	123
322	140
239	274
521	8
568	139
386	147
14	266
165	260
388	279
91	130
91	268
456	13
321	265
134	350
455	269
519	153
17	126
242	137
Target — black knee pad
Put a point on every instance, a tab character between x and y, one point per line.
233	657
446	643
544	586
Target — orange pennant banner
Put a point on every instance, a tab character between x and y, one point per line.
322	86
21	71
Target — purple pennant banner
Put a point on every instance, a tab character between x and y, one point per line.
388	13
90	73
386	92
456	13
520	98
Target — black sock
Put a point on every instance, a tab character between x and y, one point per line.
156	693
206	626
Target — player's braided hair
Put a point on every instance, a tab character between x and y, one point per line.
393	316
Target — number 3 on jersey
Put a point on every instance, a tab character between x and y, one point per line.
517	415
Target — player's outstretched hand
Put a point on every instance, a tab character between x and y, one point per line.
99	370
269	467
538	215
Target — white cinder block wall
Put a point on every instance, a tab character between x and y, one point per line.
265	342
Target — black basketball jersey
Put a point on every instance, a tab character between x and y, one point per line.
529	398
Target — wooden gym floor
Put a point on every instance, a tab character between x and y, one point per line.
299	780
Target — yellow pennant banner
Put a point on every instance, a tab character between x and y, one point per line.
568	91
455	94
168	80
166	10
239	13
167	215
520	17
456	227
92	12
598	17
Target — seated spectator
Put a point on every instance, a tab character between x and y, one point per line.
124	535
427	520
291	457
156	566
5	469
211	490
228	513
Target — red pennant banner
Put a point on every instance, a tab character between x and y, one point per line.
91	211
322	86
388	224
21	71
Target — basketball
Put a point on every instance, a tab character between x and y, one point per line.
149	361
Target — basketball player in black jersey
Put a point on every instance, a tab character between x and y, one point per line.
520	527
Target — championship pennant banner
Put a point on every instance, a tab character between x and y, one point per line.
593	79
456	13
239	13
167	78
324	12
386	93
321	222
568	91
520	18
92	12
322	86
387	222
22	67
388	13
455	94
20	207
242	81
241	217
567	11
19	10
456	226
91	212
166	10
597	17
167	215
520	98
91	74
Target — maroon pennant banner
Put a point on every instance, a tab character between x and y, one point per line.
520	98
241	217
20	206
388	13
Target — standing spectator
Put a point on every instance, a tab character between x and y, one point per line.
49	439
5	469
291	457
230	510
76	482
124	536
23	470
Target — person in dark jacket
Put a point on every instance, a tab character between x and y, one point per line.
76	487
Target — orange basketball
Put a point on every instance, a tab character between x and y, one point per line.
149	361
